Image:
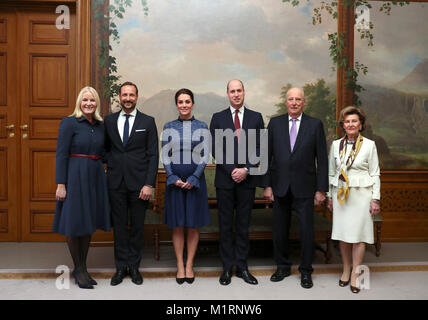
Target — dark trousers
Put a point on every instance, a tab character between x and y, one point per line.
282	210
240	199
128	213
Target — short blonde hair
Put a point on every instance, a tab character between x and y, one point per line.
78	112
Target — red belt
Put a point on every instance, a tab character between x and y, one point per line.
90	156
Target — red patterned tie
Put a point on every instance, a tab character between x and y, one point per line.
237	124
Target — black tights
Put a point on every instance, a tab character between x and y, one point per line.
79	247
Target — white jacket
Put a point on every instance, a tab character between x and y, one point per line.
364	172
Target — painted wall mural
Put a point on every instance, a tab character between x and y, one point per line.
396	86
201	45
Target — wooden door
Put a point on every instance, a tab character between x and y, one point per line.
47	89
37	89
9	205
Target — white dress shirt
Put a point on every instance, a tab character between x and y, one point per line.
121	122
240	114
290	123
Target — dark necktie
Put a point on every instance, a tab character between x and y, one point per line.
293	134
237	124
126	130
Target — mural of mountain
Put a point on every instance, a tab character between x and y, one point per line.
417	80
162	107
400	119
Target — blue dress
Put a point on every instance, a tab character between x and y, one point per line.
184	159
86	205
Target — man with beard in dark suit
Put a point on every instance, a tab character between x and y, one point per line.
235	185
297	179
132	161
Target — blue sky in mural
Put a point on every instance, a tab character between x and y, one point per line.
307	9
277	55
132	24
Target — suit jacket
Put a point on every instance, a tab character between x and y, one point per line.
137	162
224	120
305	169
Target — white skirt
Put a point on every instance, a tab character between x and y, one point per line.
352	221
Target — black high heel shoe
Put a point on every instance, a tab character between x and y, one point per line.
81	285
354	289
345	283
91	280
190	280
180	280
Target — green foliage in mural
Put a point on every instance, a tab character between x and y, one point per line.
320	103
115	10
281	107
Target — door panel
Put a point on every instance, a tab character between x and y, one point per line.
48	63
48	80
38	77
9	206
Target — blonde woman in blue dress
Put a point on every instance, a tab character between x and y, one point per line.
354	192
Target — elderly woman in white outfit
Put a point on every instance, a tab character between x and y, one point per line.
354	192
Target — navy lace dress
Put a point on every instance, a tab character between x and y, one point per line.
184	159
86	206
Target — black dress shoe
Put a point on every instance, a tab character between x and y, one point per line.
180	280
280	274
136	276
226	277
118	277
306	281
247	276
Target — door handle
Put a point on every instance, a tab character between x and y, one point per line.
10	127
24	127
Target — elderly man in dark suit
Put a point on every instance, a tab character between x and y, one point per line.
234	182
297	179
132	161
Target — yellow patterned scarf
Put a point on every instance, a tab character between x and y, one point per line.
343	192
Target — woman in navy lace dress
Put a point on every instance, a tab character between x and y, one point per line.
83	204
185	153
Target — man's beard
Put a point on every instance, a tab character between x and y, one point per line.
122	104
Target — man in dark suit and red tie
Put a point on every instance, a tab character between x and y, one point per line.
234	182
297	179
132	162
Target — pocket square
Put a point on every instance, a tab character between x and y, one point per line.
139	130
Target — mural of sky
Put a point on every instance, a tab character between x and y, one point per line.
201	44
399	43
